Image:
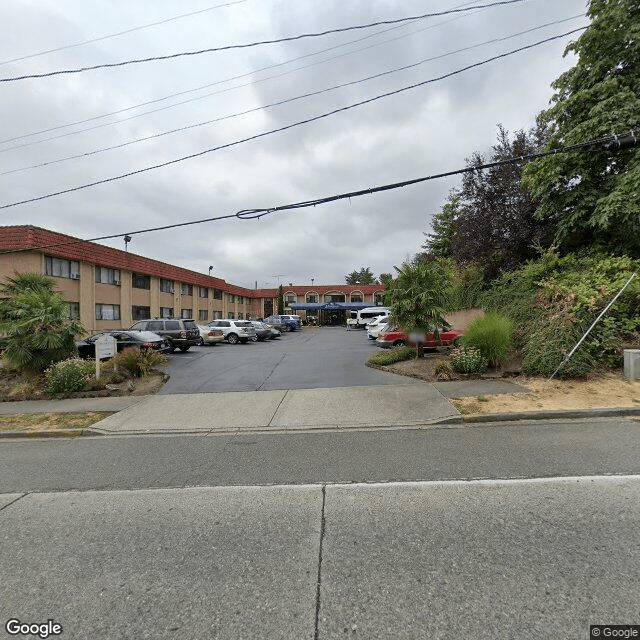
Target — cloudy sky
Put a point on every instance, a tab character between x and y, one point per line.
429	129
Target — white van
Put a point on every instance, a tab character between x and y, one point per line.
359	319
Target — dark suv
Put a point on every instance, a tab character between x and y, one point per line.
180	333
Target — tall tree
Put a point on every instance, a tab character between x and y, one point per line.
439	241
364	276
418	297
280	300
593	195
494	226
35	320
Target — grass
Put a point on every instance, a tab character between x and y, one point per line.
464	409
51	421
389	356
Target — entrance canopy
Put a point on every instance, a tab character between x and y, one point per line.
329	306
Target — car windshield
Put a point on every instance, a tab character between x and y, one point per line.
244	324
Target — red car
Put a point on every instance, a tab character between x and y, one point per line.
393	337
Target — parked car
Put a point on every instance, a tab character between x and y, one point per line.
263	332
296	318
286	322
181	333
275	333
392	336
376	325
235	330
124	339
209	335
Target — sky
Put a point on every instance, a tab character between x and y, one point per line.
58	132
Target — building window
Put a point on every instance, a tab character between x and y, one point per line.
334	297
356	297
140	281
107	276
240	316
61	268
232	316
140	313
290	298
379	297
312	298
186	290
166	312
107	312
204	292
203	314
186	314
240	300
232	298
166	286
74	310
217	294
217	315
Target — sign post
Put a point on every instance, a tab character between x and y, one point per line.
106	347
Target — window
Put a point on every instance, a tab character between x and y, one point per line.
166	312
107	276
356	297
186	313
240	300
166	286
172	325
140	313
203	314
240	316
232	298
155	325
204	292
312	298
217	315
290	298
379	297
140	281
217	294
232	315
61	268
334	297
186	290
74	310
107	312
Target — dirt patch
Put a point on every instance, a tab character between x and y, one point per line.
608	391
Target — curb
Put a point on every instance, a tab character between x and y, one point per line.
60	433
542	415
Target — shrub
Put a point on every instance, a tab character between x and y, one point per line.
468	360
491	336
67	376
443	371
389	356
138	362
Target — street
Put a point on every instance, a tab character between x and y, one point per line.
502	530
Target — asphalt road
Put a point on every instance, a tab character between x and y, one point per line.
315	357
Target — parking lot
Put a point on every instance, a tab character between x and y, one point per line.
314	357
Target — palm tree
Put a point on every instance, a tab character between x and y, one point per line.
418	298
35	322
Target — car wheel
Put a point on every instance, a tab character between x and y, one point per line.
185	349
172	347
254	339
201	342
232	338
287	329
399	343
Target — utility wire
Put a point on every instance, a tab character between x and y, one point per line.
218	82
280	102
286	127
255	214
253	44
119	33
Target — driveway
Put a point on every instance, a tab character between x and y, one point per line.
312	358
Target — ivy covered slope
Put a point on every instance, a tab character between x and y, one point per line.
554	300
594	196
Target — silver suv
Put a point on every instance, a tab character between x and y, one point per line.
235	330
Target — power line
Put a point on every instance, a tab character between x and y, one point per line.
284	101
286	127
252	44
256	214
212	84
120	33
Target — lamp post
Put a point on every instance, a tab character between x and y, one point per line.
127	240
210	268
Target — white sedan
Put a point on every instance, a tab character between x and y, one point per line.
375	326
209	335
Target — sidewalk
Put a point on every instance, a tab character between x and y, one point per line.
343	408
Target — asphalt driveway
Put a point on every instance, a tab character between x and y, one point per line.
312	358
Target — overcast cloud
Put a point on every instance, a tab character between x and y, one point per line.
420	132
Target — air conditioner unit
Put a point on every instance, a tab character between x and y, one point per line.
116	282
75	276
